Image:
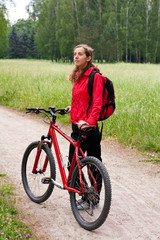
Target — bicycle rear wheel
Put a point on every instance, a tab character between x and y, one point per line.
97	194
36	190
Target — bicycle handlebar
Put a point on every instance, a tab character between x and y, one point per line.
51	110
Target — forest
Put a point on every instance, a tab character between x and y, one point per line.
118	30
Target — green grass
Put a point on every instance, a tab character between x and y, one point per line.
152	158
10	227
136	121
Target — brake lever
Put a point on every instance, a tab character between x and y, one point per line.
65	111
37	111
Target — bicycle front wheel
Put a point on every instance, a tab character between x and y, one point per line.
91	208
36	190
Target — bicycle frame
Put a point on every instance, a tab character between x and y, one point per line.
86	180
52	134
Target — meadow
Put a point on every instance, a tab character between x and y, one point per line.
136	121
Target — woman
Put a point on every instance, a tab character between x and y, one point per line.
80	100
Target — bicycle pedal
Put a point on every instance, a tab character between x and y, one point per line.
46	180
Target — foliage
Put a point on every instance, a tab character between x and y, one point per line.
123	30
21	40
10	227
118	30
46	31
34	8
152	158
3	31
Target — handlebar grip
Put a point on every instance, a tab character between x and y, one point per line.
87	127
35	110
28	109
31	109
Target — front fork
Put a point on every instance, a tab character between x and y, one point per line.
39	149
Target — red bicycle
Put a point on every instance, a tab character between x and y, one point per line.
87	178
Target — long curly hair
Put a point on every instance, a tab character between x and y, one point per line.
73	77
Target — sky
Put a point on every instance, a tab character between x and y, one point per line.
17	12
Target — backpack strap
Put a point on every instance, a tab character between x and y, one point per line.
90	91
90	88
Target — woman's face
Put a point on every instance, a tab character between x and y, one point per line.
80	58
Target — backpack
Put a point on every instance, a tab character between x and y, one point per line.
108	103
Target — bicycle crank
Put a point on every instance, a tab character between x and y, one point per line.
47	180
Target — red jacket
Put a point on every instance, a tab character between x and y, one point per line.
80	99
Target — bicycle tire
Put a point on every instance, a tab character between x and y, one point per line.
99	201
35	189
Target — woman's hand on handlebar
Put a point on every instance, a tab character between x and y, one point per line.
80	123
68	109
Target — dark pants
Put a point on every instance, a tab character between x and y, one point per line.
91	145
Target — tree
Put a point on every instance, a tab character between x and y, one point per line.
118	30
46	30
23	44
154	30
66	30
34	8
3	30
21	40
13	43
147	7
33	51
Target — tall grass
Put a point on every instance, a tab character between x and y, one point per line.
137	117
136	121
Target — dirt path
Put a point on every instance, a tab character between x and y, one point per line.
135	210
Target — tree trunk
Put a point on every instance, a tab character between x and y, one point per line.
86	5
147	20
100	29
136	54
117	36
77	18
127	10
158	26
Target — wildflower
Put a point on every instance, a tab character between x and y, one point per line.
1	233
28	235
5	222
20	229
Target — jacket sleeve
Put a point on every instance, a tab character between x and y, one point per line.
95	109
